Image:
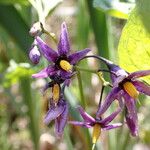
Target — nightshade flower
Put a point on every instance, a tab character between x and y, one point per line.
97	124
62	61
59	113
126	86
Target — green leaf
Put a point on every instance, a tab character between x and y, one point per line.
134	45
114	8
14	24
22	2
15	72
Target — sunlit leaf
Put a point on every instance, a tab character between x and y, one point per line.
16	71
134	46
114	8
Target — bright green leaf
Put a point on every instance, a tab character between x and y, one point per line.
16	71
114	8
22	2
134	45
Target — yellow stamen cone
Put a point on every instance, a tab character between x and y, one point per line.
96	133
65	65
56	93
131	89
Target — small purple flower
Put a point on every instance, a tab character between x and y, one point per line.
97	124
59	113
126	86
62	61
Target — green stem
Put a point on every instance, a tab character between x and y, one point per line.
32	110
83	102
67	138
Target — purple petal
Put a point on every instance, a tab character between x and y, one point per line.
53	113
108	119
47	52
61	121
75	57
63	45
78	123
131	115
142	87
112	126
51	70
108	100
138	74
65	74
41	74
85	116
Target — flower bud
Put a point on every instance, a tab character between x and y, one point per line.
36	29
34	54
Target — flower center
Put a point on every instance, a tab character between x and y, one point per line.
56	93
96	133
131	89
65	65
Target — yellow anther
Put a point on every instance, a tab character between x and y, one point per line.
65	65
96	133
56	93
130	89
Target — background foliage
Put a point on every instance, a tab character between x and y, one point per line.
91	23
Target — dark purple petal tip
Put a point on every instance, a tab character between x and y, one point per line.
64	45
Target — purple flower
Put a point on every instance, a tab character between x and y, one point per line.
62	62
59	113
97	124
126	86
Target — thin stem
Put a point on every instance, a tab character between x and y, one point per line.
51	35
106	61
81	89
101	95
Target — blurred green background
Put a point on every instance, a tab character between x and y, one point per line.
96	24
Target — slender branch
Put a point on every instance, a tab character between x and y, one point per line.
81	89
101	95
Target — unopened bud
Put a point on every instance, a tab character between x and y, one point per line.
36	29
34	54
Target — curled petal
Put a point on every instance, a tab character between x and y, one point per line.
85	116
63	45
108	119
42	74
53	113
47	52
142	87
131	115
112	126
61	121
75	57
78	123
138	74
108	100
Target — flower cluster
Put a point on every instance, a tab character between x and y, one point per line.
61	68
